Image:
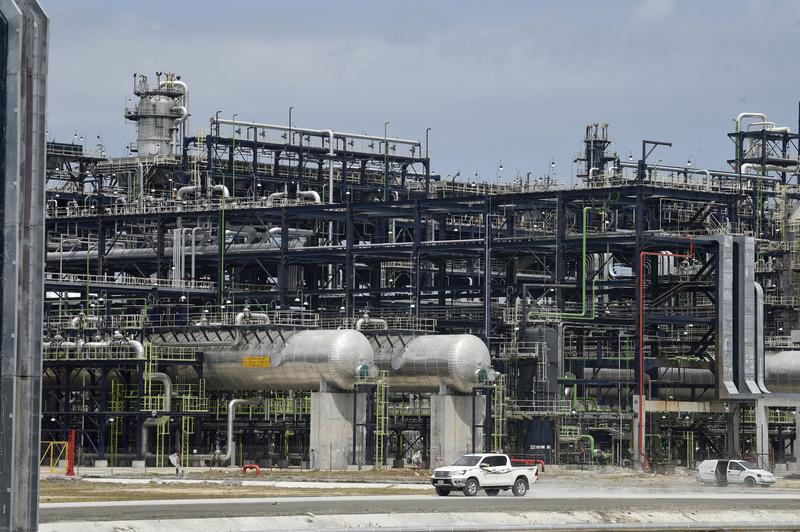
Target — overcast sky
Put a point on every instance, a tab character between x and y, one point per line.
515	81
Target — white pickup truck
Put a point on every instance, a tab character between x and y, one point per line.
489	472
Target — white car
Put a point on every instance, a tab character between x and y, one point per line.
487	471
734	472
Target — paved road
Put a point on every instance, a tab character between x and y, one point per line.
546	496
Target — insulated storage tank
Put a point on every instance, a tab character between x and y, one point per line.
456	361
303	362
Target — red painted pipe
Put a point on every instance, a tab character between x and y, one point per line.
71	454
642	255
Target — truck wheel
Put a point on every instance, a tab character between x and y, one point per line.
492	492
750	482
520	487
471	487
442	492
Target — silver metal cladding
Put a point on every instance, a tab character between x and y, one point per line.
306	360
428	362
783	371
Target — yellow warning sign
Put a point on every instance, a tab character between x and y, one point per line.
256	362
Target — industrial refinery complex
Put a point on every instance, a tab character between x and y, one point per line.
242	292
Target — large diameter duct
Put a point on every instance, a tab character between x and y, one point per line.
782	375
308	360
434	363
783	371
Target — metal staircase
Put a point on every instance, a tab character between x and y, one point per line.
716	433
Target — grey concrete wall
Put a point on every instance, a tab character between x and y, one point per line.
331	441
451	427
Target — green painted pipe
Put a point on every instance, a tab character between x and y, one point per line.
584	306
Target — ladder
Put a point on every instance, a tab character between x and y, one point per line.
500	413
150	401
161	439
381	418
689	437
187	429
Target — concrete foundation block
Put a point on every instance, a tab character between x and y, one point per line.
452	424
101	463
137	464
332	429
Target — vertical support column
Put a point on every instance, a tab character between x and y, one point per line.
451	426
734	418
511	265
140	456
255	164
349	265
796	441
639	426
559	271
210	164
300	166
23	59
635	440
375	284
487	271
101	243
332	429
415	260
161	265
103	407
427	165
283	270
441	286
762	434
221	228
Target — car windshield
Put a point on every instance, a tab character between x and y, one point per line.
467	460
749	465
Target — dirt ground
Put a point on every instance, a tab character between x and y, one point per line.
74	490
60	490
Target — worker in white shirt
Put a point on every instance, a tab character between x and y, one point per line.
175	458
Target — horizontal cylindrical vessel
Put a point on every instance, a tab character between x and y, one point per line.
427	363
303	362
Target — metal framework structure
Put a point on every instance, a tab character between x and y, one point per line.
605	307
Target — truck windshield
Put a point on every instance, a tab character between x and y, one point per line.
467	460
749	465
